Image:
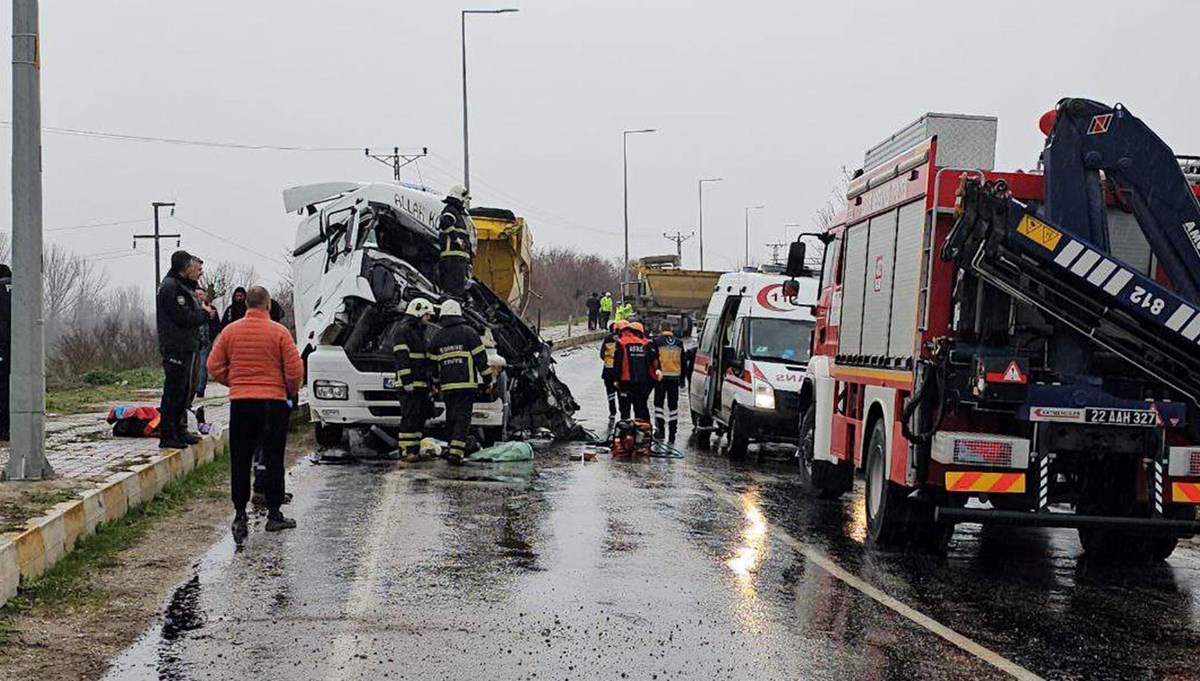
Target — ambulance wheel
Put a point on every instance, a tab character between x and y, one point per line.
702	436
739	435
822	479
328	435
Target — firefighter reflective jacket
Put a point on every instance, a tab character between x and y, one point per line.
608	353
634	359
606	304
669	351
454	228
459	355
411	352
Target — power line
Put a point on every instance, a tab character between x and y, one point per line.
100	134
98	224
230	241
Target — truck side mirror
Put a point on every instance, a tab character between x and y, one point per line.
791	289
795	261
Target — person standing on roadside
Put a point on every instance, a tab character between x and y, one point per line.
236	309
180	315
668	350
609	373
593	311
462	371
606	309
257	359
411	352
638	370
208	336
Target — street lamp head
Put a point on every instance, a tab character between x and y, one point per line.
638	132
505	10
712	179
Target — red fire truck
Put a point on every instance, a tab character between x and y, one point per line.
1013	347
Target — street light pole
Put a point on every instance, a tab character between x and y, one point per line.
466	137
748	209
700	183
27	391
625	196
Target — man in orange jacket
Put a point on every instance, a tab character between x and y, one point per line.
258	360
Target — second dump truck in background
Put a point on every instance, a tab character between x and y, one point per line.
665	292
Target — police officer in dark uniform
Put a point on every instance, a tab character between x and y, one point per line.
180	317
5	346
669	351
462	370
455	230
411	351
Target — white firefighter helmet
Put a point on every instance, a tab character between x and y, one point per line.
419	307
460	193
451	308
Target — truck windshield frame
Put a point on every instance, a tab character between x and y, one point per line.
779	340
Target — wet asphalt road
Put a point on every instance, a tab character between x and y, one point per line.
671	569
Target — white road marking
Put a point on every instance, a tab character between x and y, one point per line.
927	623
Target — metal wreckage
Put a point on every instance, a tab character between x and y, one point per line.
363	251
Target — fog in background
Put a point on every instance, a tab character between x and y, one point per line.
776	97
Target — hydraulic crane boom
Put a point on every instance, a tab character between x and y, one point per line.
1089	138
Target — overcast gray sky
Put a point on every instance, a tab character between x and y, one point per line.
774	96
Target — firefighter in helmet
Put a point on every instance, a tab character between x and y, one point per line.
457	236
462	371
411	352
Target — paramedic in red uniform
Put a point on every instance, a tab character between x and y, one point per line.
637	369
668	350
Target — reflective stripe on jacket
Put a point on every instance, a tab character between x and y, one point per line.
669	352
635	361
411	352
459	355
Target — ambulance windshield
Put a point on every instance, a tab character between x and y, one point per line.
780	340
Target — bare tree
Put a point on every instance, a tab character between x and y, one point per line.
565	278
221	278
74	290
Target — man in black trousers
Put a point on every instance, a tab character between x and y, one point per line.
180	317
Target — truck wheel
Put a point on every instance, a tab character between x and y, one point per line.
328	435
739	434
894	520
822	479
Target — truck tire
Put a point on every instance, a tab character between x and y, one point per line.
822	479
328	435
739	434
894	520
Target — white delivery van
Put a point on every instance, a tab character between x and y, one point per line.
748	375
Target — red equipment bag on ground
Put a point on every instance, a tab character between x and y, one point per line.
129	421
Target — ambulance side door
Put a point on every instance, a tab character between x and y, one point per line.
733	388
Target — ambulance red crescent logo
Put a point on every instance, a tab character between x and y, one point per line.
771	297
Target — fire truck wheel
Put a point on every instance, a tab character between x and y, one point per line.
822	479
887	508
739	434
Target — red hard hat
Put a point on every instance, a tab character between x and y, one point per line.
1046	122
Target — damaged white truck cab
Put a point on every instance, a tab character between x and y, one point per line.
362	251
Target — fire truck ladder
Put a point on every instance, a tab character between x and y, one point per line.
1046	266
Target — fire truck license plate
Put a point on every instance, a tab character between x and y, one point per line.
1123	417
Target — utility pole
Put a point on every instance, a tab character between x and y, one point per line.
625	198
775	248
679	238
27	390
396	160
157	237
466	139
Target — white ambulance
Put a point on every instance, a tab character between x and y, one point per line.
748	375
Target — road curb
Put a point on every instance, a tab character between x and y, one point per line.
576	341
47	539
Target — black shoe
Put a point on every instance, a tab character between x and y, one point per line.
276	522
171	442
454	458
191	438
240	528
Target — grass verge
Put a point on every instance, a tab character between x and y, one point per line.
101	387
68	582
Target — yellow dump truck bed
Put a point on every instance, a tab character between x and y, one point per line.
678	288
503	255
